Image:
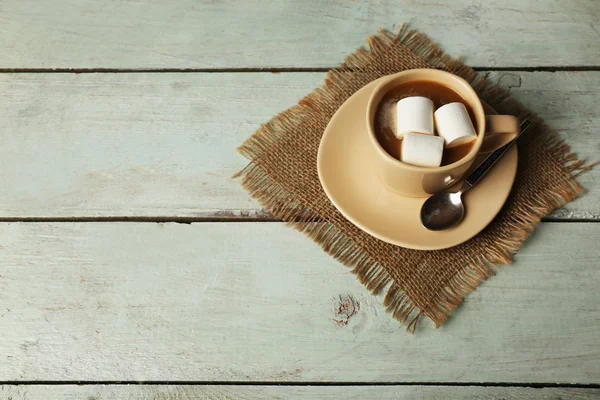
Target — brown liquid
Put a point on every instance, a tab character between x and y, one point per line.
439	94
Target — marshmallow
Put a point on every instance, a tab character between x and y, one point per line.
453	123
414	114
422	150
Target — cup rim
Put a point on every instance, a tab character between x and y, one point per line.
374	101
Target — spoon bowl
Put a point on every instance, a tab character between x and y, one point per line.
442	211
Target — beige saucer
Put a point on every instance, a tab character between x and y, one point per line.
345	166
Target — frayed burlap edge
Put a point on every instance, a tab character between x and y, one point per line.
256	180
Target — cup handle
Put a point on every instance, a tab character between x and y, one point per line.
499	130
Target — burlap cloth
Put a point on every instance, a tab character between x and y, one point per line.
282	176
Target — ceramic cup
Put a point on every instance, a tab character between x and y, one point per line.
493	131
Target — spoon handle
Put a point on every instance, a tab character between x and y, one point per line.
486	164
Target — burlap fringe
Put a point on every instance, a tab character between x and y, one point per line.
273	197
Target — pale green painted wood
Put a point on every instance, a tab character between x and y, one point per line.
288	33
208	392
260	302
106	145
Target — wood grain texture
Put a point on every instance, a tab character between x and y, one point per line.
163	145
260	302
287	33
210	392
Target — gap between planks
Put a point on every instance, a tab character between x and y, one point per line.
252	217
533	385
566	68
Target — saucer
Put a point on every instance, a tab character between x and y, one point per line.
346	171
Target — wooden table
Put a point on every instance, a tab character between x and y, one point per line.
128	255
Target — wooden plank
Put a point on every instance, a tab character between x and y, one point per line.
185	392
286	33
553	96
260	302
163	145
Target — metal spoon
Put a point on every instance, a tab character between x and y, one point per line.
445	210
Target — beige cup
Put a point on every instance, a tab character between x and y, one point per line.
493	131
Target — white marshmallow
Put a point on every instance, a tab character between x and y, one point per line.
414	114
453	123
422	150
